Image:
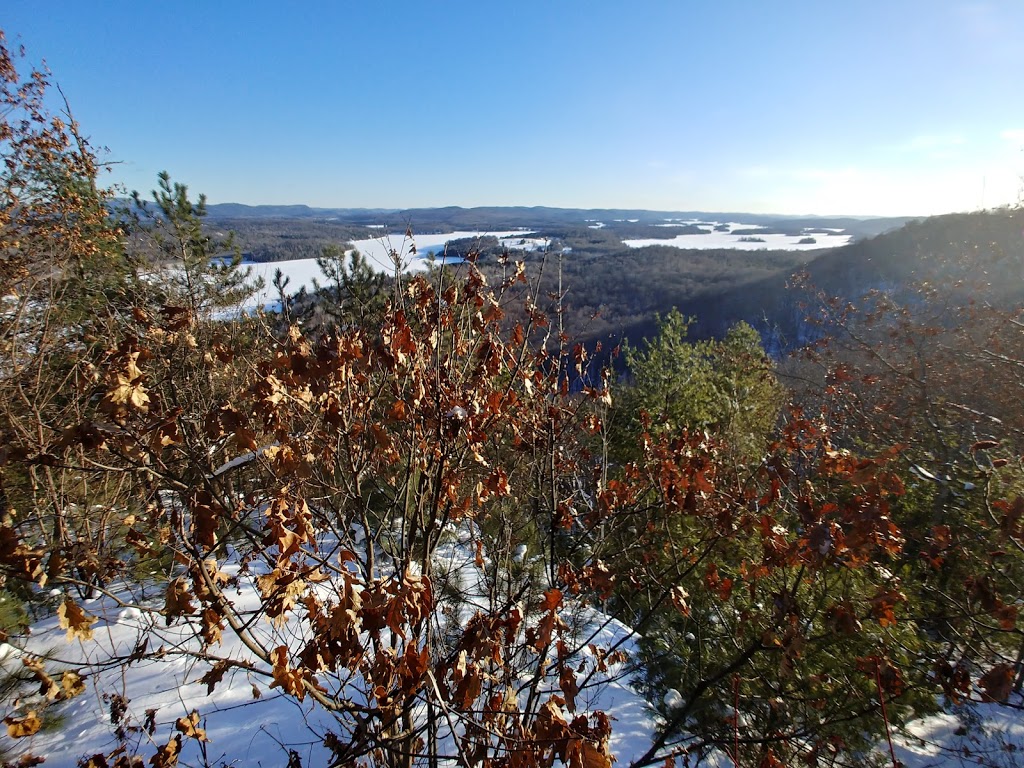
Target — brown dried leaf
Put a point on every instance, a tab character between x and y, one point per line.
47	686
679	598
178	601
76	621
72	683
167	755
190	726
284	676
590	756
20	727
570	688
997	683
214	675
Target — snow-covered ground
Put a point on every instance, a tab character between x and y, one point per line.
246	721
249	723
242	729
728	240
709	225
378	251
381	252
518	242
988	735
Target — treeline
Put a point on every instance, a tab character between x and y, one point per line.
276	233
283	239
609	293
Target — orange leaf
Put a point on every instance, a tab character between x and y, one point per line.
178	601
167	755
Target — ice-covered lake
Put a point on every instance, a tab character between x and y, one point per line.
380	252
744	237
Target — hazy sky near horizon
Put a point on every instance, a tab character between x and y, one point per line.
869	107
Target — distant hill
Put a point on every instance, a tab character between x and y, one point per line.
241	211
959	253
452	218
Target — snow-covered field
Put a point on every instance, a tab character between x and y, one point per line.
381	252
728	240
521	243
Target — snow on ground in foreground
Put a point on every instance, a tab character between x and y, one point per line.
258	732
244	730
729	240
994	736
377	252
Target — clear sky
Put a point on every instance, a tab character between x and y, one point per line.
862	107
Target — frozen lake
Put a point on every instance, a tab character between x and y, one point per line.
378	252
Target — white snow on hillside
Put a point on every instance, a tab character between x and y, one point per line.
519	243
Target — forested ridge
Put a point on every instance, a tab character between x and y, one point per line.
414	508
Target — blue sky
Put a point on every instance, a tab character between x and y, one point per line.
867	107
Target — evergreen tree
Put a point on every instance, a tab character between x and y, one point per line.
725	387
202	272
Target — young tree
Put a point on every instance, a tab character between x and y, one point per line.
62	267
354	292
726	387
200	272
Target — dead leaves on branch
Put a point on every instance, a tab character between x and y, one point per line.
575	743
449	417
294	681
26	725
439	391
75	620
70	683
125	392
189	726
